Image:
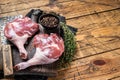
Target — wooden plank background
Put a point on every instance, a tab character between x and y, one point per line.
98	36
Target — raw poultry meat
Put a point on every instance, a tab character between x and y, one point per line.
18	31
48	49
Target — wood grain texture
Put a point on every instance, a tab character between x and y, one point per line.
97	40
7	60
115	78
69	8
97	67
98	33
98	36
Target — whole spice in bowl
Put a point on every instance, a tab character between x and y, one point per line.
50	23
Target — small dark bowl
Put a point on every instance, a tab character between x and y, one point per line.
49	15
50	29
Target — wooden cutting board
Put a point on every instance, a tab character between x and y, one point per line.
11	57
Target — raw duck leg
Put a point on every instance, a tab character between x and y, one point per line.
18	31
48	49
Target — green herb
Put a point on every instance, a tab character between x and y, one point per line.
70	46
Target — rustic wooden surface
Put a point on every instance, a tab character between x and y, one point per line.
98	36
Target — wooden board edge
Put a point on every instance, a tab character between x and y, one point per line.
7	61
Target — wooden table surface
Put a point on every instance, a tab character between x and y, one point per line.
98	36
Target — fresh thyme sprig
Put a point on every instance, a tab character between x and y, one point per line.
70	46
